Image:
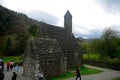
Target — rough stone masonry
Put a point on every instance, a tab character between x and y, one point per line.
53	51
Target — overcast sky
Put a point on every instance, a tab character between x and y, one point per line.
90	17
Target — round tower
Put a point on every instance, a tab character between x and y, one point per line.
68	22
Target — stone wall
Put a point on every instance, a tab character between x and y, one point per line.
73	59
53	67
30	69
43	54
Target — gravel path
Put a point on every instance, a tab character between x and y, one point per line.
106	75
8	75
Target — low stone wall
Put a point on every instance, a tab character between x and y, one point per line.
112	65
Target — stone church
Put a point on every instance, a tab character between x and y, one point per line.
53	51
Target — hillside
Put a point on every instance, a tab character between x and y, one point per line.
13	23
15	28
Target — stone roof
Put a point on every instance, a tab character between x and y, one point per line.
66	40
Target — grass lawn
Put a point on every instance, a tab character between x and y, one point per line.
96	57
71	73
117	79
91	56
13	58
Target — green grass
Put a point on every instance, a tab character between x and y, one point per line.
117	79
91	56
88	71
13	58
71	73
96	57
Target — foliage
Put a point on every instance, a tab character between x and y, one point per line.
15	45
34	30
20	43
96	57
91	56
18	27
4	20
108	45
8	47
117	79
109	42
106	48
96	46
117	48
85	46
13	58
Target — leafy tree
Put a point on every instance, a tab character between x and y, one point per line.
108	45
85	46
8	47
117	48
109	38
20	44
33	30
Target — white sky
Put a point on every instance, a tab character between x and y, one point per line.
89	18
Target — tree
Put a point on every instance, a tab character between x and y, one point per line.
117	48
108	45
85	47
34	30
109	38
8	47
95	45
20	43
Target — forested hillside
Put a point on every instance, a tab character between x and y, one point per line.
15	28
